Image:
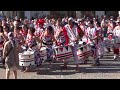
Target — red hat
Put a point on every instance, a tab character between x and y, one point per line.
40	21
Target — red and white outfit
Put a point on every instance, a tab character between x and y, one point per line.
110	30
100	41
92	33
71	33
24	34
39	29
60	36
116	34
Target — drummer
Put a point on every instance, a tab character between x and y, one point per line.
110	31
31	42
47	39
19	37
73	32
62	39
116	34
39	28
93	38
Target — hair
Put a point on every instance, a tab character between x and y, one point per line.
98	23
25	26
91	22
50	28
7	28
32	30
18	28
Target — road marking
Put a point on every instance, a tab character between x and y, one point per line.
103	68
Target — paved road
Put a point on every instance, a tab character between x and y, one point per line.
109	69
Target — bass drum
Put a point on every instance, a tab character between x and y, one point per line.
26	58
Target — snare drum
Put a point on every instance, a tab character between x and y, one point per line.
63	52
26	58
43	53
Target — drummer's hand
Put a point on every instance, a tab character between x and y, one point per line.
74	40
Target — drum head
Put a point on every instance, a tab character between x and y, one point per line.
43	48
27	53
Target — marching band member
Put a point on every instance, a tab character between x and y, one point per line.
24	31
18	36
72	31
47	38
116	34
31	42
100	41
3	38
110	31
104	26
93	38
6	31
62	39
39	28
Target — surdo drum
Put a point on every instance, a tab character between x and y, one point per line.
63	52
84	50
26	58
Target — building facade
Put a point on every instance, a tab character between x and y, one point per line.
78	14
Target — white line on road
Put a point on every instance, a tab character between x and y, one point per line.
103	68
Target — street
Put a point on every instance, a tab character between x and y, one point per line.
109	69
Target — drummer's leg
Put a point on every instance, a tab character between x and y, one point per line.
75	57
26	69
96	57
116	53
65	63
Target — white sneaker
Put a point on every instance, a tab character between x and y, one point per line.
116	57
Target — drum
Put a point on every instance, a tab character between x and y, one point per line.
26	58
108	43
43	53
63	52
84	51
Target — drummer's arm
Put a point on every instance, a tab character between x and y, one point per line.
40	39
37	39
81	33
23	41
54	40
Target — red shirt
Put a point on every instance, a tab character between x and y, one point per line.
23	33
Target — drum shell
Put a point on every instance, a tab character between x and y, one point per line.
64	53
84	51
43	53
26	59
